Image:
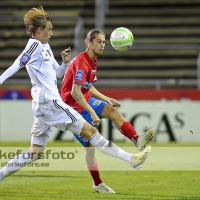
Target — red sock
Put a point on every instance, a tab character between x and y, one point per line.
94	171
128	130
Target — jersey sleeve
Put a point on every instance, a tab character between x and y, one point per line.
23	59
60	69
30	54
11	70
80	73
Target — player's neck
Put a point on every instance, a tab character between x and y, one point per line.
91	55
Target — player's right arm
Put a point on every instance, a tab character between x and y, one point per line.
21	61
80	99
10	71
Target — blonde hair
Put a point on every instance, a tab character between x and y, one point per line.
34	18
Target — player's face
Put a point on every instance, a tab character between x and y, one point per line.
46	33
98	44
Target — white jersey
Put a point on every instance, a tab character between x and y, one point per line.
42	68
48	108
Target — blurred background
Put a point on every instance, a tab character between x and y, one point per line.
157	81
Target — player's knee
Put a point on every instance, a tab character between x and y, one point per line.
113	113
88	131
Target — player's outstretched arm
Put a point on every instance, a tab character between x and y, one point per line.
100	96
10	71
95	93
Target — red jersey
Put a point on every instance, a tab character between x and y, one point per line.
82	71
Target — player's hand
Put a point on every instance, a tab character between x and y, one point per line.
113	102
66	55
95	120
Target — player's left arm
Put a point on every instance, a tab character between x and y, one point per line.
60	70
95	93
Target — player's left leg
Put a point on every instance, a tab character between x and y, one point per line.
91	162
40	133
90	159
18	162
93	168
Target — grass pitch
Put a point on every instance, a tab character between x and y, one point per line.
137	185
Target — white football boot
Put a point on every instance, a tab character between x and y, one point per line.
103	188
145	138
139	158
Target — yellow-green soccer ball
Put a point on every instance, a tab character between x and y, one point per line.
121	39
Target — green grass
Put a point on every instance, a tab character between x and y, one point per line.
77	185
76	144
144	185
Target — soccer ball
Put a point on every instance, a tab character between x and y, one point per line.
121	39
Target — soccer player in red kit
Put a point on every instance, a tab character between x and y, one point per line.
78	92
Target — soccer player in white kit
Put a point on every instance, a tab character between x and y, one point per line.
48	108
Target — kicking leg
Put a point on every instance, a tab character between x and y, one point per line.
126	128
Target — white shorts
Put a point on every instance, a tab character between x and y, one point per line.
55	114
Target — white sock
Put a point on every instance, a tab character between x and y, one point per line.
109	148
15	164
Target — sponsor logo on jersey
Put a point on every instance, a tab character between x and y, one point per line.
45	56
85	140
45	60
97	103
48	52
25	58
55	81
79	75
88	85
40	115
93	71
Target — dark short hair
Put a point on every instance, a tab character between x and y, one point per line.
91	35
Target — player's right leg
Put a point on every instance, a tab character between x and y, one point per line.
140	140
